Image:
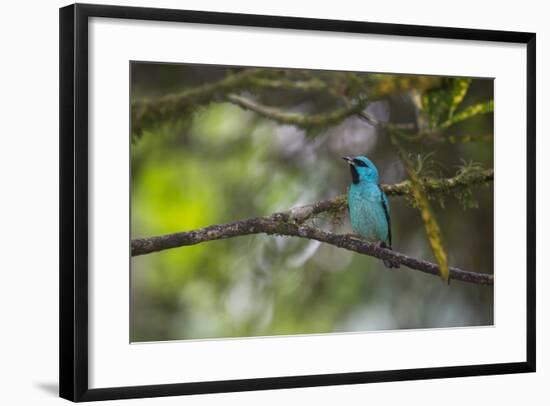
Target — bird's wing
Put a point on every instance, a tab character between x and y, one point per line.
386	206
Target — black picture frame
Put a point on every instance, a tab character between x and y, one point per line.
74	195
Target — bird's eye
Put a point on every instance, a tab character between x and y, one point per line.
358	162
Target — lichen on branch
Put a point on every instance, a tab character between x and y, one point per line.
292	223
147	113
278	224
305	121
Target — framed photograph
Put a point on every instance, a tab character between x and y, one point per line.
257	202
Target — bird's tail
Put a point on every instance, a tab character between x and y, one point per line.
388	262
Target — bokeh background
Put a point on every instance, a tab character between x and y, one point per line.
217	163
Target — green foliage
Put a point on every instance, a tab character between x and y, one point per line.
439	107
469	112
440	104
459	88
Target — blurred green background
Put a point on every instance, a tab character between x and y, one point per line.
219	163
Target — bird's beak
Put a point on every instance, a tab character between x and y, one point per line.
348	159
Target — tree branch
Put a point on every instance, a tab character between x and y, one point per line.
291	223
278	224
146	113
299	120
311	85
469	177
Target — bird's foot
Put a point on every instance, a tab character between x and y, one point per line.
387	262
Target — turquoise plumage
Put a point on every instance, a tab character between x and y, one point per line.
368	205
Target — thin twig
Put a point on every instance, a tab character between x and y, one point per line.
300	120
312	85
363	115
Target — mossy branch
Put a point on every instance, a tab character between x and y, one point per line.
291	223
466	178
147	113
299	120
279	224
311	85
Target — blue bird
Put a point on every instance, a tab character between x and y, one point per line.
368	205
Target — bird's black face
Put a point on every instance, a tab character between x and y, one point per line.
361	169
354	174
